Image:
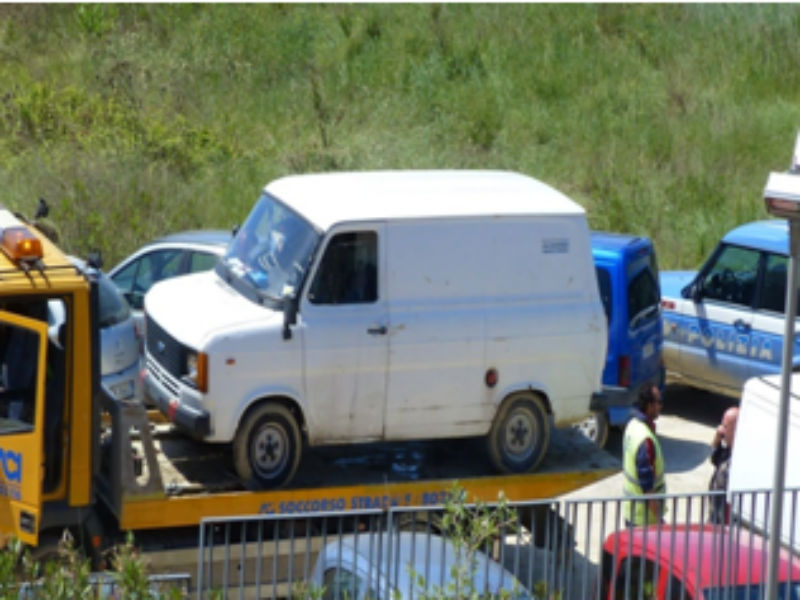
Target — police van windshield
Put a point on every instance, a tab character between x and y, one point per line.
272	250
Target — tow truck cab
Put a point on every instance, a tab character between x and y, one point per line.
48	419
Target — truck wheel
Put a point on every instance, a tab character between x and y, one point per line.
520	434
267	447
595	428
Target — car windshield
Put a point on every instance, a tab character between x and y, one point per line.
272	250
786	590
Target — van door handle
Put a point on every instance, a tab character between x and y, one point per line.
378	330
741	326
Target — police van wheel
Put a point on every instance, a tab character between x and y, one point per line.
520	434
267	447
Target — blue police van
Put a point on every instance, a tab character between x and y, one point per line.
724	323
628	280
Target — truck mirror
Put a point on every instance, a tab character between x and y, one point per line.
289	315
697	291
694	291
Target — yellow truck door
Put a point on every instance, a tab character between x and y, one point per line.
23	359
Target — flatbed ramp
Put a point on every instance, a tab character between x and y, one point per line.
195	480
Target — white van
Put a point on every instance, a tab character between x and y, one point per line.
354	307
752	469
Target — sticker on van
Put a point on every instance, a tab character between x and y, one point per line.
555	246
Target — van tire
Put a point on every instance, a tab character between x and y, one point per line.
520	434
267	447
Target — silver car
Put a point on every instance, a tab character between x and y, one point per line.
168	256
120	373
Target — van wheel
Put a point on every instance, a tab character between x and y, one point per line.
520	434
267	447
595	428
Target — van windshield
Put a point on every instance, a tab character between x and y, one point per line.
272	250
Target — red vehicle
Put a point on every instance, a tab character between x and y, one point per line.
708	562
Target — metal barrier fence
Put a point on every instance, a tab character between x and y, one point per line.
562	549
106	586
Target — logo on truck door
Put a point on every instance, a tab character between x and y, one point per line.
11	463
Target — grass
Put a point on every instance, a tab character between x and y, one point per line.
137	120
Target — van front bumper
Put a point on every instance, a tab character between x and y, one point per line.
194	421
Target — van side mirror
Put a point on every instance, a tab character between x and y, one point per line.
694	291
289	315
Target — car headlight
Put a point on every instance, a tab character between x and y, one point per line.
197	370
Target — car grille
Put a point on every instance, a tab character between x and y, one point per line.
155	370
165	350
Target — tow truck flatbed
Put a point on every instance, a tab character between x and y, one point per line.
190	480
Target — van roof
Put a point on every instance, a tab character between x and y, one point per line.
607	240
328	198
771	235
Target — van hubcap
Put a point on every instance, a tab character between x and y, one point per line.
269	448
520	433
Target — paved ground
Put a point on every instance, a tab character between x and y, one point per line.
685	429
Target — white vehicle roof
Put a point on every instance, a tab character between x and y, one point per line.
328	198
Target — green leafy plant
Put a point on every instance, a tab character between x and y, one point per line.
661	120
471	528
66	575
130	571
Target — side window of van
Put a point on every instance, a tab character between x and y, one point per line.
773	288
604	284
643	300
348	271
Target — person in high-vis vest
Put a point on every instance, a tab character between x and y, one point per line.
642	460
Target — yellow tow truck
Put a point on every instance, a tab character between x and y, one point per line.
73	457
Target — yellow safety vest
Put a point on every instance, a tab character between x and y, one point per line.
637	512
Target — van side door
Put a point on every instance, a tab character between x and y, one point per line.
440	281
23	356
345	343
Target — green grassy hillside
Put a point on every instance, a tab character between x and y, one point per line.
136	120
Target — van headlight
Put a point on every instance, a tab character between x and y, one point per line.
197	370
